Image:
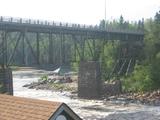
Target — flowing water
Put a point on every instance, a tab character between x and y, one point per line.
86	109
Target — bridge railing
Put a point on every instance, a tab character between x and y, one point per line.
70	25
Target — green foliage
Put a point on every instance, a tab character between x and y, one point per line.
122	24
110	52
75	66
140	80
146	75
155	72
14	67
111	47
153	49
157	17
44	78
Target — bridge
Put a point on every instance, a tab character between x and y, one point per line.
28	42
16	31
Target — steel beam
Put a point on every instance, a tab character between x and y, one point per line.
82	43
4	48
23	48
37	47
50	49
12	55
30	46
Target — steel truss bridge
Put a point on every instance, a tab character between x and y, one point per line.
26	41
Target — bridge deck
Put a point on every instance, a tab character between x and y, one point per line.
36	26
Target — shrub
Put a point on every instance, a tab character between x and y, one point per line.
44	78
140	80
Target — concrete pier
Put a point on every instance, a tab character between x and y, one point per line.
6	80
89	80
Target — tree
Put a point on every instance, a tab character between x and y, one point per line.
121	20
157	17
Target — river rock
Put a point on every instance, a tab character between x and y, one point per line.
57	81
26	85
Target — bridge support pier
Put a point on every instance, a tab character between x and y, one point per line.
89	80
6	80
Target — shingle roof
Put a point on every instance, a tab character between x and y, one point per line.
17	108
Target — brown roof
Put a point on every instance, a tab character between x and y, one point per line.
17	108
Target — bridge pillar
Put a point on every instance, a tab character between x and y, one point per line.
89	80
6	80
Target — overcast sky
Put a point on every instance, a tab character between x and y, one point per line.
79	11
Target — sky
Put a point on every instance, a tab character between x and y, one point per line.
79	11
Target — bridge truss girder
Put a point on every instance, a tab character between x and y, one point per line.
18	47
27	44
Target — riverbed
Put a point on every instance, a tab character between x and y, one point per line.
86	109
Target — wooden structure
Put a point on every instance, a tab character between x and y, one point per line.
17	108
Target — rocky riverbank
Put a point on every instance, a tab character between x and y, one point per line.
147	98
69	84
55	83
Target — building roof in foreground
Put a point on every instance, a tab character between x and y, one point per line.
18	108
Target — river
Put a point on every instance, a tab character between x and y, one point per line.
86	109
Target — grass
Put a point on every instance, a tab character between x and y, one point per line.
14	68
